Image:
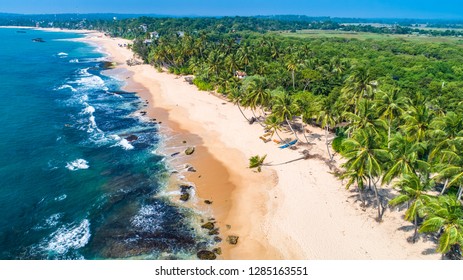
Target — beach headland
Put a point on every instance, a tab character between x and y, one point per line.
288	211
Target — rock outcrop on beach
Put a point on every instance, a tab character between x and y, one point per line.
232	239
190	151
206	255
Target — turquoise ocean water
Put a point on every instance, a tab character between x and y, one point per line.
71	185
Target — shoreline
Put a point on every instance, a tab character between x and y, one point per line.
211	172
295	211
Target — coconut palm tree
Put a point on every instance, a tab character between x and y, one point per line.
454	172
327	117
257	162
284	107
366	159
413	191
390	105
273	124
365	118
417	121
405	158
236	96
359	85
445	214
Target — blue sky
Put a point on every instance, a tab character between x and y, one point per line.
336	8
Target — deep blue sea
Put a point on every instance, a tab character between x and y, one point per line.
71	185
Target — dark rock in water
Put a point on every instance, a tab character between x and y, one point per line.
214	231
191	169
174	154
174	172
208	225
38	40
131	138
185	197
207	201
232	239
143	113
190	150
206	255
185	188
217	251
217	239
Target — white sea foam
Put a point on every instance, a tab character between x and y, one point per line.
75	60
67	87
67	238
77	164
149	218
53	220
89	110
124	144
62	54
61	197
91	82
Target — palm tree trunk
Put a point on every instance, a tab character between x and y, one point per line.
445	187
389	135
460	193
415	234
327	143
242	113
377	201
290	127
303	130
286	162
283	141
257	119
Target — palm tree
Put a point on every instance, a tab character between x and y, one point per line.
405	158
445	214
256	93
413	192
359	85
454	172
257	162
284	107
273	124
292	66
365	118
390	106
327	118
366	159
417	121
236	96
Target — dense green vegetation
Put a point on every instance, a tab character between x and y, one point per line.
399	102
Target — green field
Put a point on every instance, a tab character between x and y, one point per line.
365	36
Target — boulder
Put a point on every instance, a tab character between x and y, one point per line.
206	255
190	151
208	225
232	239
185	196
214	231
207	201
217	239
131	138
217	251
191	169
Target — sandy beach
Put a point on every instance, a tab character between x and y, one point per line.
290	211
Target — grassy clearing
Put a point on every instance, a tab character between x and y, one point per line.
366	36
